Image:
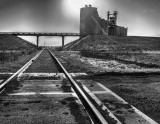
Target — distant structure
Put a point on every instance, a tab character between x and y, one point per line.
91	23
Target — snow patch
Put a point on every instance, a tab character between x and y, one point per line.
115	66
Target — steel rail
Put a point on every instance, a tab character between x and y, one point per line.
19	71
99	116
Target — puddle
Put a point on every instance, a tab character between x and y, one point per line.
63	102
57	85
119	112
113	105
25	109
6	103
66	88
70	99
65	113
7	115
36	101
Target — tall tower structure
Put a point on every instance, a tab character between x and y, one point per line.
112	19
88	20
91	23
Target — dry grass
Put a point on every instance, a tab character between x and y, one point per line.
14	66
73	65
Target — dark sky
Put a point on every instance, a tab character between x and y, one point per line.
140	16
33	15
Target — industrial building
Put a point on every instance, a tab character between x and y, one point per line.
92	23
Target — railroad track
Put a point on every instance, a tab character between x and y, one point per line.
43	92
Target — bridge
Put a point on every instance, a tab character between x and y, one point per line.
38	34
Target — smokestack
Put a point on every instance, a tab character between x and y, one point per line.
115	16
108	14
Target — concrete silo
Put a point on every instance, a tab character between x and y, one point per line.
89	20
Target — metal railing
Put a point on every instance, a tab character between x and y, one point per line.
41	34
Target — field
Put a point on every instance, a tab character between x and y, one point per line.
13	66
129	66
139	88
12	55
